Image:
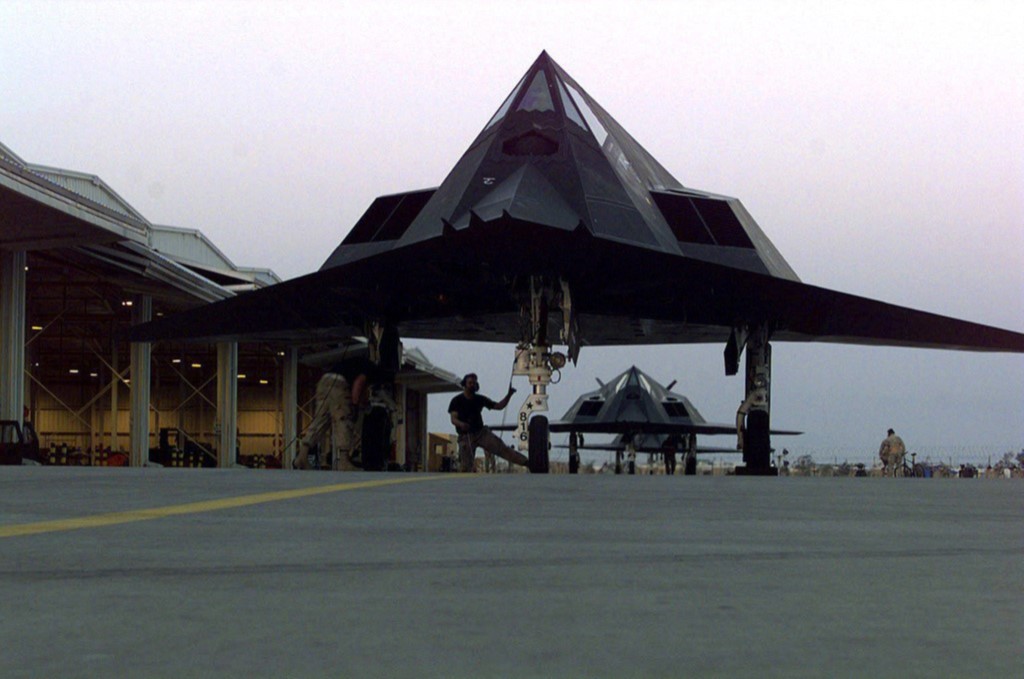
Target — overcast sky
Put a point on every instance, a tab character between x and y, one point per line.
879	145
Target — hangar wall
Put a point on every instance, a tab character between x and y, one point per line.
81	414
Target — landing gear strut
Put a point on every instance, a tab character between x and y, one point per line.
690	461
536	361
753	421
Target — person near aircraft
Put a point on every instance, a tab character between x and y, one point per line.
631	462
465	410
668	449
338	394
891	452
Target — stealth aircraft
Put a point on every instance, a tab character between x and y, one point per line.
557	227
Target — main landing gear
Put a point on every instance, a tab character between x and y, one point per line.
753	421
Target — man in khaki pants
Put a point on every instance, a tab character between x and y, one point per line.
465	412
891	452
337	397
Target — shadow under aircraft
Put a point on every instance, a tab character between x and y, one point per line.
647	418
556	226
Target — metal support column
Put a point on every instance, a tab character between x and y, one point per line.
402	423
12	340
141	376
115	386
226	427
290	407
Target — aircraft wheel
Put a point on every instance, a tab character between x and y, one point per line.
690	465
757	444
375	440
539	445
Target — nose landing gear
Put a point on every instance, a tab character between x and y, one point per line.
536	361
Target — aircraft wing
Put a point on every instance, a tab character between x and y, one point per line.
639	428
634	427
649	449
430	291
716	295
302	310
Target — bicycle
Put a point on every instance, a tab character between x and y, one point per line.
912	470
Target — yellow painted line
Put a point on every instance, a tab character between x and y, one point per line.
197	507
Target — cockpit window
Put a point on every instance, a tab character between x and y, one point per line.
570	108
596	128
675	409
505	105
537	97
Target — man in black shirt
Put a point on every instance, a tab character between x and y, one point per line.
465	410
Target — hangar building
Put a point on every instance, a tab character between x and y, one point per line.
78	267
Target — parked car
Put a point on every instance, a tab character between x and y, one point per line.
18	442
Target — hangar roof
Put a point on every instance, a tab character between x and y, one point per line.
191	248
77	220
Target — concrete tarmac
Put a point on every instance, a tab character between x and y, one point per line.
241	573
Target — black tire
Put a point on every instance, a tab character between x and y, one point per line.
757	448
538	445
690	465
376	440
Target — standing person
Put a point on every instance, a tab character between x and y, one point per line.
574	453
465	410
338	394
891	452
668	449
